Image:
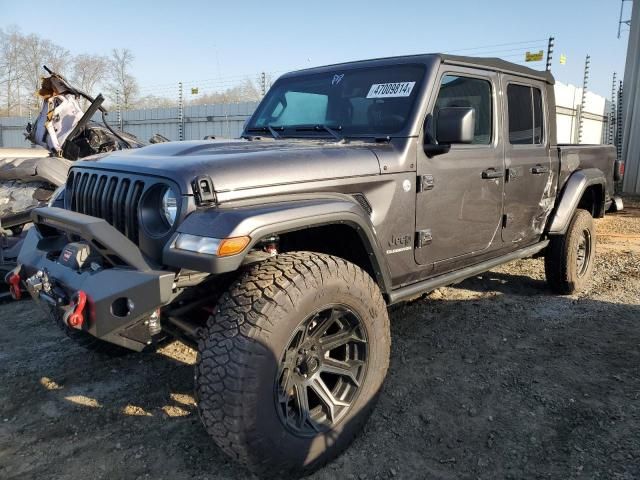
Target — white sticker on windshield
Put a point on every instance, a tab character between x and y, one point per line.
390	90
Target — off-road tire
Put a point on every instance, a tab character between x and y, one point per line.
89	342
241	348
561	257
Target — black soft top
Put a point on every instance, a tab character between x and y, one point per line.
499	65
493	64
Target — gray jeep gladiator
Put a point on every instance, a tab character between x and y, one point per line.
354	187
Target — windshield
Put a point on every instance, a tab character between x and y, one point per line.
362	102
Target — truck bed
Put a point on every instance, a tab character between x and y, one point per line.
578	157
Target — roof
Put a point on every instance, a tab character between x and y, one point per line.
497	64
493	64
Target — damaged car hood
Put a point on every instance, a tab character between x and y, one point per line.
32	165
241	164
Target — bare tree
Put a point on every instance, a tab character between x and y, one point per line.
154	101
10	71
57	58
123	84
246	91
34	53
89	71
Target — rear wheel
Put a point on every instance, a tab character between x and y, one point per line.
570	257
292	362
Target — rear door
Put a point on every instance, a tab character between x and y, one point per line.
528	189
458	210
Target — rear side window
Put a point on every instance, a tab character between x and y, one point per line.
456	91
525	115
537	116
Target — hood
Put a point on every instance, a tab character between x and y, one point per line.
243	164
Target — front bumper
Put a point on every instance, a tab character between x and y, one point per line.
123	291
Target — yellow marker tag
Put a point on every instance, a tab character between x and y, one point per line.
534	56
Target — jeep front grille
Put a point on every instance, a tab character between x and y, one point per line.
108	196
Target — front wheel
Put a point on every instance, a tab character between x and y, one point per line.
292	362
569	259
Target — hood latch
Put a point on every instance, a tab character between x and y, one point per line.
203	190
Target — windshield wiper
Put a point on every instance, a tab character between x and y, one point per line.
326	128
267	128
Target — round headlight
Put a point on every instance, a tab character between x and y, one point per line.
170	206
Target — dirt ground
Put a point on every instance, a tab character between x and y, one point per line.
492	378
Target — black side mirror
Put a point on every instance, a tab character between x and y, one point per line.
456	125
453	125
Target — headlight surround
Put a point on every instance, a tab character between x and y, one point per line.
160	208
169	206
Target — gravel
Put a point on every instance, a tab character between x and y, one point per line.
492	378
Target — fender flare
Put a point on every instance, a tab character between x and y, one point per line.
270	218
570	197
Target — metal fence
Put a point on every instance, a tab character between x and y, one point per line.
581	119
193	123
227	120
11	129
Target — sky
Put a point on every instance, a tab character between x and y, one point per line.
216	43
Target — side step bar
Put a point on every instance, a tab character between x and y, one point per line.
430	284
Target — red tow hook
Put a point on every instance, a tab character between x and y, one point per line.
76	318
14	286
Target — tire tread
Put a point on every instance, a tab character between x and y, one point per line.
559	270
234	340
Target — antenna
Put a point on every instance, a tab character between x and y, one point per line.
612	113
619	123
620	21
583	101
180	112
118	108
549	53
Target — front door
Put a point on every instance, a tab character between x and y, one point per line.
529	189
458	211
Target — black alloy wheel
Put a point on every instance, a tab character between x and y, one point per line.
321	371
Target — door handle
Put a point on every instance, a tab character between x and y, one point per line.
492	173
539	170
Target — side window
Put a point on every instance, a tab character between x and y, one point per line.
457	91
525	115
537	116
